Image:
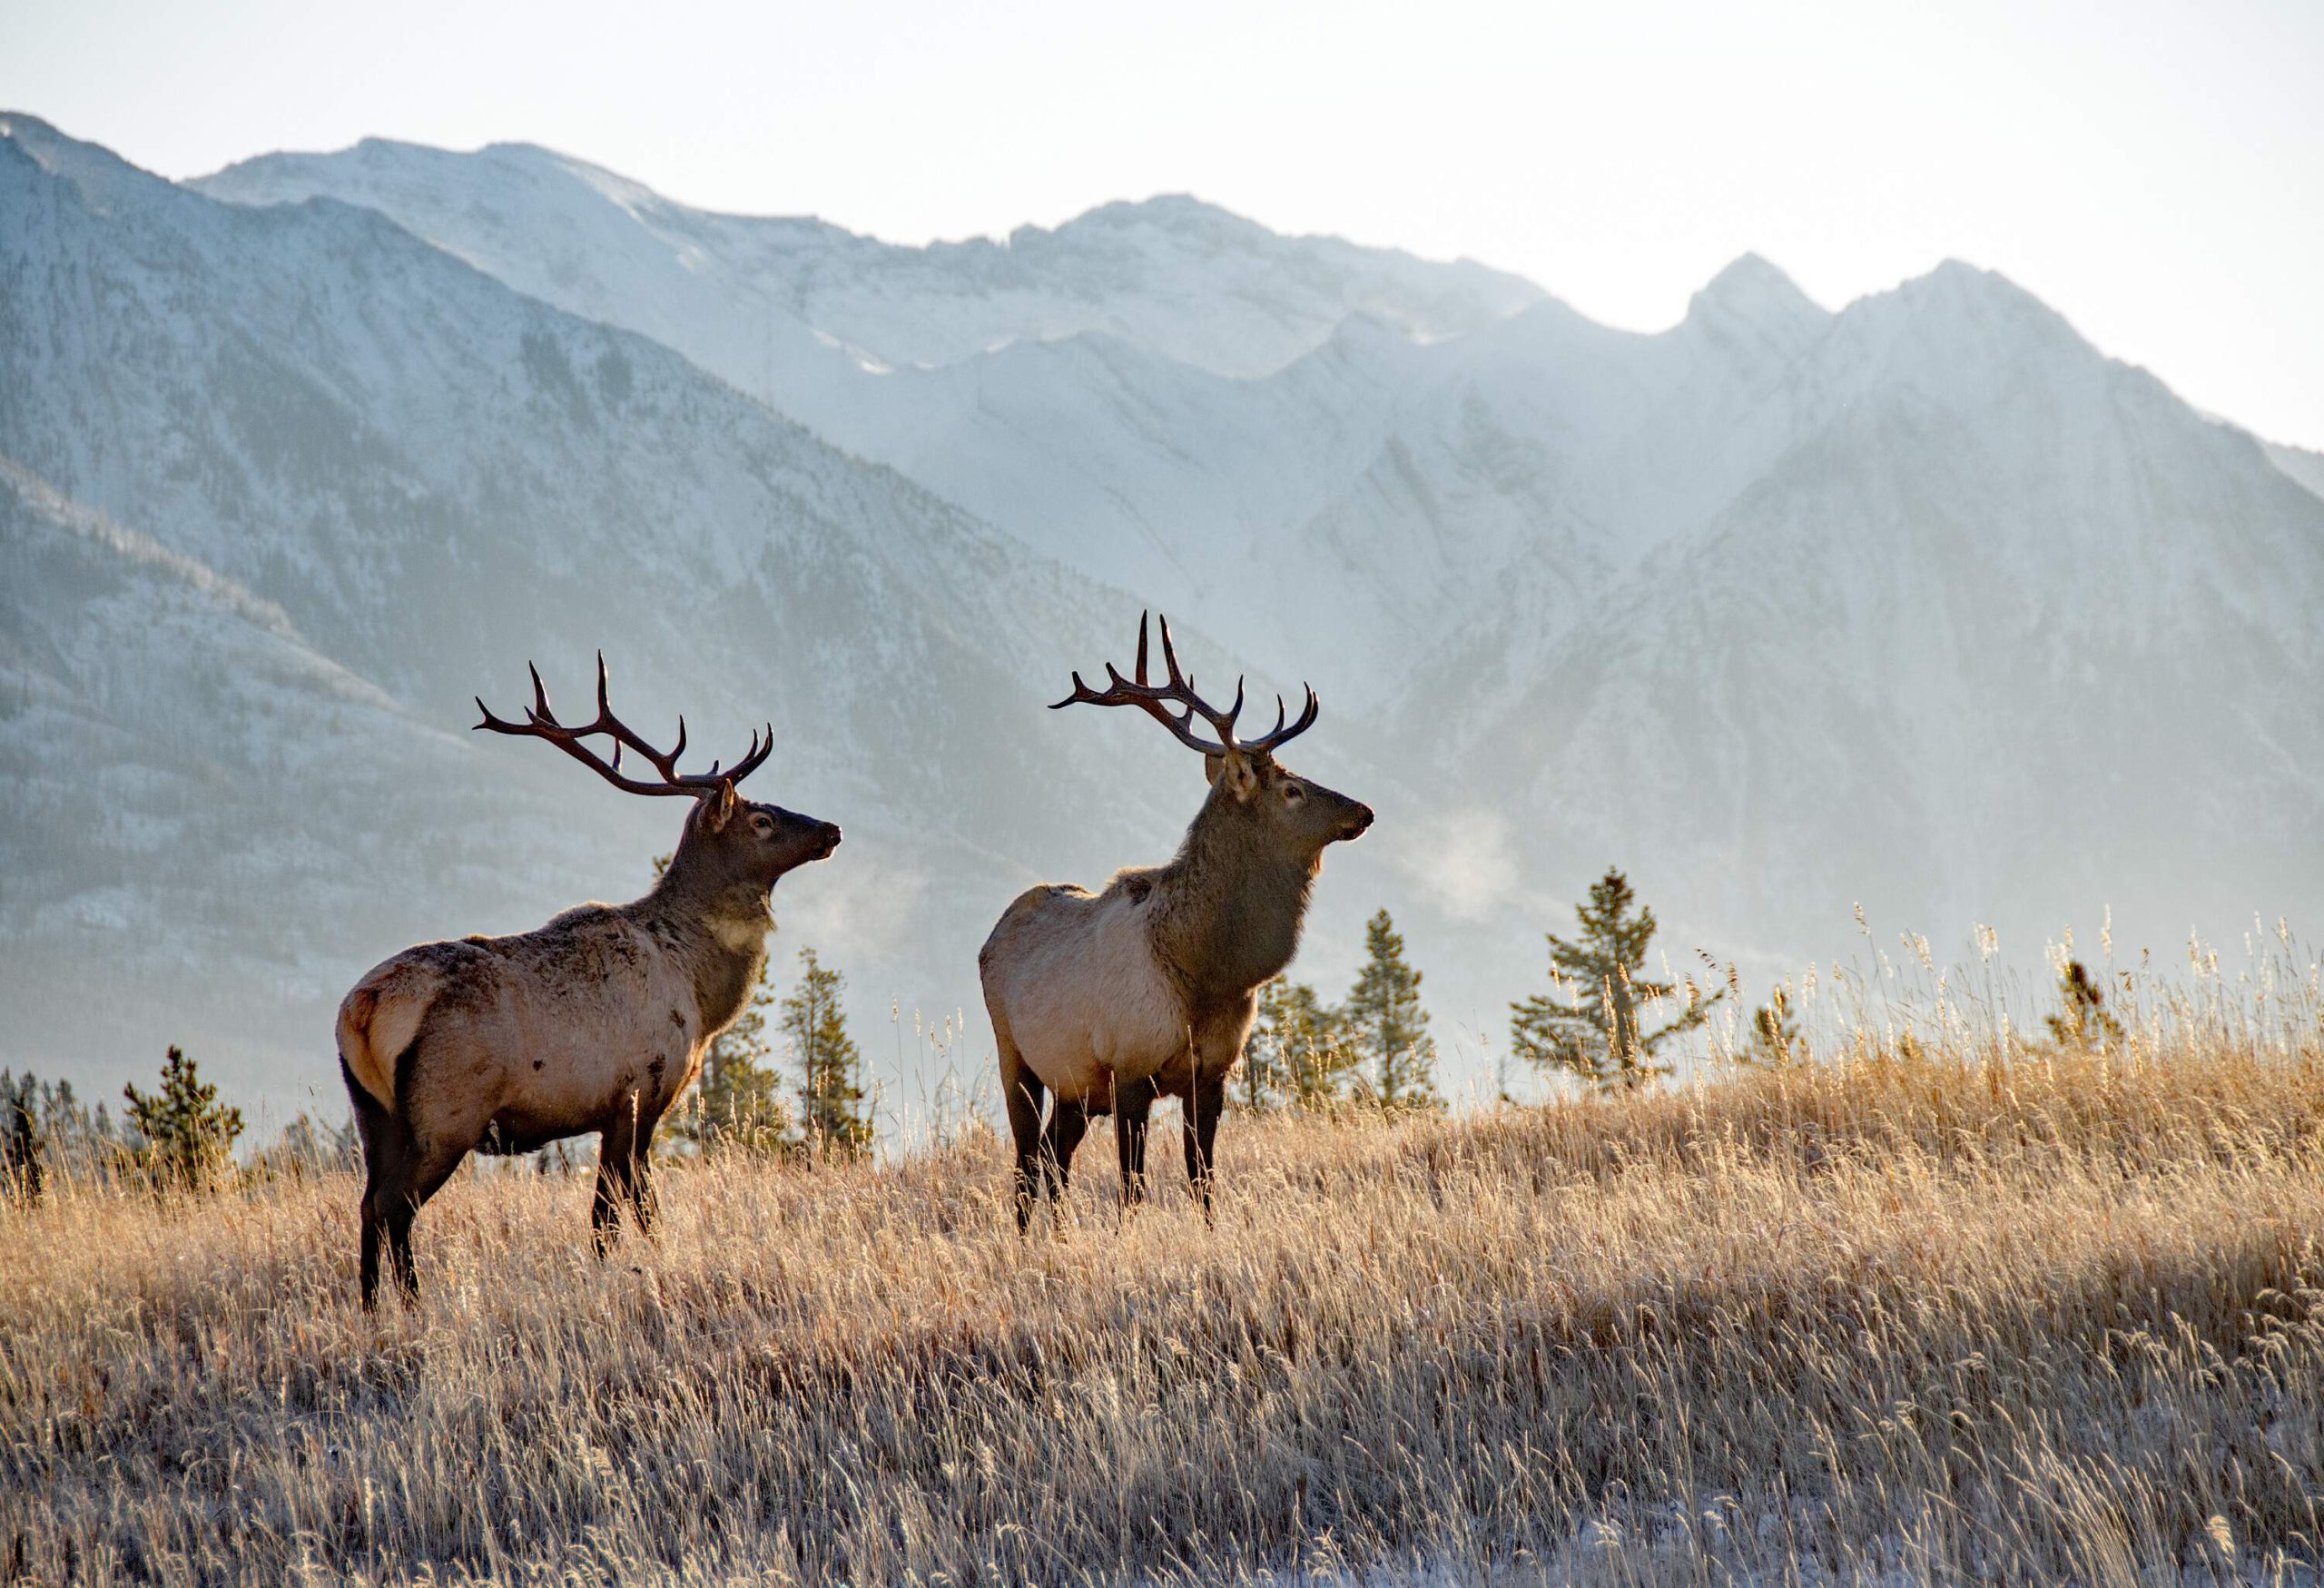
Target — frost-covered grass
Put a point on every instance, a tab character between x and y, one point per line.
1895	1319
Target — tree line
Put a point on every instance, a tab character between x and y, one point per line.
1604	1021
741	1102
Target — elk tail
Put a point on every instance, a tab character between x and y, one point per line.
375	1023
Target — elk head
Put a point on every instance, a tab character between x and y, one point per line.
1247	785
729	842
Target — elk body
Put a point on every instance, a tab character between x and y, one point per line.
595	1022
1109	1000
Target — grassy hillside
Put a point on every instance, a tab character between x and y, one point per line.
1928	1317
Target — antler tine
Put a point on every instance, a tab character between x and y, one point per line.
1169	655
497	724
753	758
1279	735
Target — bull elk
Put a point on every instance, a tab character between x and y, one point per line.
1112	1000
597	1021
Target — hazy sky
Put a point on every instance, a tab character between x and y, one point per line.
2156	172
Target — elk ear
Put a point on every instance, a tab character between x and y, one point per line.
718	809
1242	777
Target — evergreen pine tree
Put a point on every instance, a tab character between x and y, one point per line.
72	1138
1775	1039
1594	1023
186	1136
23	1145
834	1113
306	1149
2083	1020
1295	1056
1386	1025
738	1103
1264	1081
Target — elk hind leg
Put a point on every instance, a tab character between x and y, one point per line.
431	1165
389	1156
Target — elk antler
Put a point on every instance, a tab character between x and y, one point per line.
540	723
1156	699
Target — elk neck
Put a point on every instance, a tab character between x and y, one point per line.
717	926
1230	904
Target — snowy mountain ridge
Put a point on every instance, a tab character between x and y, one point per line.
1170	273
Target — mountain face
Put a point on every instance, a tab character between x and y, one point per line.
195	793
1088	384
1998	630
1923	603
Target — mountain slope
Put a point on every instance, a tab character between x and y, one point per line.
2002	632
1080	387
155	718
1164	397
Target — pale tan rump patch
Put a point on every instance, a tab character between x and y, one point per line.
378	1020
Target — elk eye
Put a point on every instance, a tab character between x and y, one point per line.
1293	793
763	827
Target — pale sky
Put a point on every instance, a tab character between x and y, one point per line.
2154	170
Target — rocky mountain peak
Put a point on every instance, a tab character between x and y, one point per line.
1752	303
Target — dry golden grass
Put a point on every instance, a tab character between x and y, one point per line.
1915	1319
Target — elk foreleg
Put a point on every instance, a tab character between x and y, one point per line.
1205	1101
1068	1122
616	1174
1131	1104
644	1201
